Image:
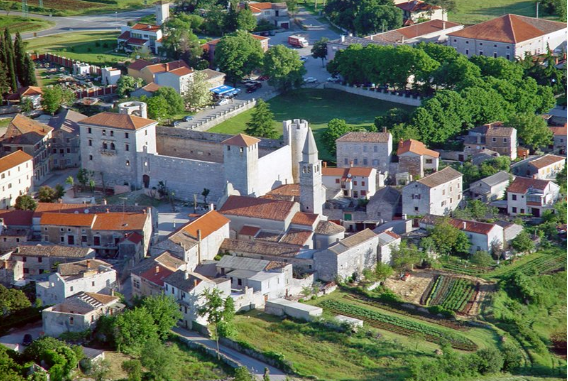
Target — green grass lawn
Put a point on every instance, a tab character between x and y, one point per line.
80	7
80	46
318	107
24	24
472	12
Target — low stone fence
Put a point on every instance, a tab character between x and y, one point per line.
210	351
386	95
274	359
210	121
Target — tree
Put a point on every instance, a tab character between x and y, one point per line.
198	94
29	74
100	369
243	374
25	202
126	85
71	181
336	128
319	50
383	271
215	21
266	375
284	68
10	60
165	312
54	97
83	176
449	239
59	191
133	368
162	361
172	97
205	193
20	59
482	259
523	243
262	121
179	41
157	108
491	360
245	20
12	300
238	55
134	328
405	256
218	312
532	130
46	194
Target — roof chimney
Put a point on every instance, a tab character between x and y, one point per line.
385	130
88	263
443	25
351	163
199	235
342	38
195	283
464	225
325	164
185	275
108	210
211	207
157	269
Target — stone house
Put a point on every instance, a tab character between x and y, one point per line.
16	228
559	139
510	232
33	93
491	188
388	241
89	275
187	288
492	136
65	144
43	259
385	205
438	194
78	313
148	276
543	167
275	13
348	257
198	240
10	271
101	231
510	36
415	158
34	138
355	182
531	196
16	177
415	10
179	79
367	149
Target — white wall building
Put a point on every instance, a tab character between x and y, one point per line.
16	177
356	182
531	196
365	149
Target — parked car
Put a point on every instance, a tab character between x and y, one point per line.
254	84
310	80
251	90
188	118
177	123
28	339
303	59
334	79
222	102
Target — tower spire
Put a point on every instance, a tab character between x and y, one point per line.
310	151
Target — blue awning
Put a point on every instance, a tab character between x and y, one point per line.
222	90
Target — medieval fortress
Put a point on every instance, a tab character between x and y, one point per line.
129	149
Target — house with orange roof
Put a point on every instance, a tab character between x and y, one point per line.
531	196
79	313
355	182
275	13
32	137
559	139
415	158
415	10
33	93
140	37
16	177
148	276
179	78
544	167
149	72
510	36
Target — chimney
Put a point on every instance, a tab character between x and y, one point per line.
385	130
88	263
185	275
195	283
325	164
464	225
199	235
211	207
351	163
342	38
167	66
157	269
108	210
443	25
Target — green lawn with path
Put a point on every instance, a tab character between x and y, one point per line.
473	12
90	47
24	24
318	107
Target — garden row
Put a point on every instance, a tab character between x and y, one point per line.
545	264
399	325
452	293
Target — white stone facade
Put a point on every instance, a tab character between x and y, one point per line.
16	177
421	197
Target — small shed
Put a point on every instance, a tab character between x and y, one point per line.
296	310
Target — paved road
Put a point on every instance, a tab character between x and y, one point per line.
14	339
111	21
254	366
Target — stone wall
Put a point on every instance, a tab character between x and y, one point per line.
372	93
221	116
274	169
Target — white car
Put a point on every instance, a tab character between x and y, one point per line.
333	79
222	102
310	80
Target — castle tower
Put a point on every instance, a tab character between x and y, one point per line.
295	132
240	161
311	189
162	12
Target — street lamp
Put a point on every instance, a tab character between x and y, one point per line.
116	19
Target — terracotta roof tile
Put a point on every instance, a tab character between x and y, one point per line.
546	160
67	219
17	217
23	130
49	250
329	228
208	223
558	131
120	221
79	267
249	230
180	72
124	36
244	247
124	121
302	218
365	137
168	66
30	90
509	29
134	237
472	226
13	160
257	208
101	298
156	274
146	27
392	234
151	87
414	146
416	6
241	140
345	173
297	237
440	177
284	192
136	41
139	64
523	184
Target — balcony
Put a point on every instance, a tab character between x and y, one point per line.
109	152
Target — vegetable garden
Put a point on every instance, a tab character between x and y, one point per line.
400	325
451	293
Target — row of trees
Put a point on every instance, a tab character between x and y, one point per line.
16	66
364	16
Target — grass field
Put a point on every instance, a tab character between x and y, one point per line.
472	12
23	24
79	7
318	107
80	46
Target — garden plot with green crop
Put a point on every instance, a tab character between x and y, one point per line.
452	293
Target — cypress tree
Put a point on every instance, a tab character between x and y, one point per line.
2	50
29	75
20	59
10	60
4	82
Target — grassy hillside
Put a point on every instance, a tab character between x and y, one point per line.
473	12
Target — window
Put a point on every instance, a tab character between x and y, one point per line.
362	183
128	163
504	140
443	203
90	157
71	318
522	211
416	209
494	139
89	130
127	147
146	132
71	288
514	197
356	161
345	161
467	52
494	54
514	210
97	241
240	282
104	132
83	238
112	133
24	259
337	181
365	161
93	284
39	259
428	161
480	52
68	150
126	135
508	56
90	143
363	193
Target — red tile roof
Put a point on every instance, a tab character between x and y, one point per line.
416	6
523	184
24	130
546	160
392	234
558	131
297	237
136	41
17	217
156	274
302	218
110	119
346	173
208	223
124	36
257	208
509	29
249	230
180	72
67	219
168	66
146	27
30	90
139	64
472	226
134	237
241	140
120	221
414	146
13	160
151	87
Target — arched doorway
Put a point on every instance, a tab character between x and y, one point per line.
146	181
